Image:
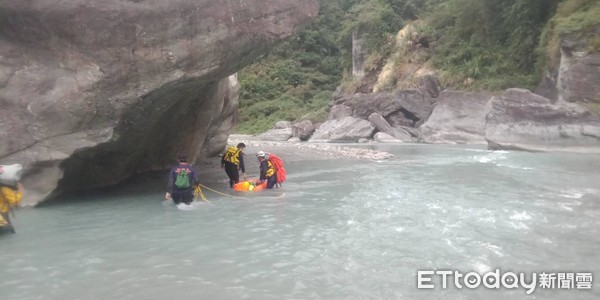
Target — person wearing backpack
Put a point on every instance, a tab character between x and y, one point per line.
233	162
267	171
182	180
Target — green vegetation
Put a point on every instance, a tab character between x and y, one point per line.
579	19
490	41
473	44
297	78
377	19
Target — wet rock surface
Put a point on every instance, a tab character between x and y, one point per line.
93	92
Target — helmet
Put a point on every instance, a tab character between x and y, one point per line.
261	154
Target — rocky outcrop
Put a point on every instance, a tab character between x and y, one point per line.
556	118
517	120
397	119
282	134
383	137
547	87
303	130
409	105
363	105
579	76
95	91
340	111
227	93
348	129
393	113
458	118
430	85
282	131
416	105
522	120
384	127
359	52
577	79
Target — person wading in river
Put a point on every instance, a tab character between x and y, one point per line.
182	180
233	162
11	193
267	171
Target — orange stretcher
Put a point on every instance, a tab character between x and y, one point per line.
251	185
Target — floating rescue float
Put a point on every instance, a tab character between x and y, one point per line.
252	185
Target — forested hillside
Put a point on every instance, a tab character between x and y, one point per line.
472	44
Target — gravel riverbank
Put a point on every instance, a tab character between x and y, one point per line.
307	149
293	151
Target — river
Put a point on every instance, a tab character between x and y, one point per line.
339	229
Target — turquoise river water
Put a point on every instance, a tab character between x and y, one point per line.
339	229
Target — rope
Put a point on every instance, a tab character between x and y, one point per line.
198	192
223	194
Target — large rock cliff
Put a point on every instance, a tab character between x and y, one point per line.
458	118
95	91
522	120
561	116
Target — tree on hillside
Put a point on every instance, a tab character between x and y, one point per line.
297	78
490	39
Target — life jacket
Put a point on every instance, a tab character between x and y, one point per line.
270	169
277	164
232	155
9	197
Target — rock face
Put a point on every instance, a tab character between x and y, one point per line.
522	120
415	105
384	127
363	105
348	129
383	137
282	134
227	93
95	91
395	114
303	130
553	119
339	111
407	106
579	76
458	118
576	80
359	52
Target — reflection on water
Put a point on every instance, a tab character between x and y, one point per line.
342	230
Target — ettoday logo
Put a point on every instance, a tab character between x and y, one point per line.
507	280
